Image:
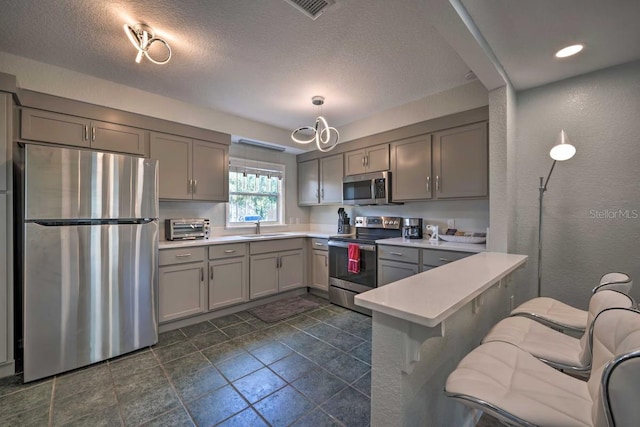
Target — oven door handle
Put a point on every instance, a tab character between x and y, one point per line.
366	248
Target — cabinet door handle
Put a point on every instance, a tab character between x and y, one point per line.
211	272
325	261
93	133
446	260
366	161
317	193
322	194
363	160
202	274
396	253
86	132
195	186
230	251
437	183
188	186
318	244
428	184
183	255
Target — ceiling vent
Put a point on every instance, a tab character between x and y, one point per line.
311	8
259	144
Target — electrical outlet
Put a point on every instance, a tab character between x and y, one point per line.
451	223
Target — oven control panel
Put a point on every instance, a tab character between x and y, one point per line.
393	222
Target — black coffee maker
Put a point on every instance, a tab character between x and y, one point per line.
412	228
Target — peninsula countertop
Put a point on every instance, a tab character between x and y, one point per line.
428	298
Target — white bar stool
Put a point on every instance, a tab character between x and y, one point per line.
518	389
561	316
552	347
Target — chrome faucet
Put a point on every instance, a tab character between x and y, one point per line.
258	227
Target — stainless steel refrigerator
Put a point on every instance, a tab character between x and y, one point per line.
90	257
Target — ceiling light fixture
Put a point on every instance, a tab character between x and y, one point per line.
569	50
321	133
142	37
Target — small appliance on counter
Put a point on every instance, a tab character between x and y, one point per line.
344	227
412	228
186	228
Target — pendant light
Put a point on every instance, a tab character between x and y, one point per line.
321	133
142	37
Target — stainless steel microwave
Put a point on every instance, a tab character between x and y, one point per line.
367	189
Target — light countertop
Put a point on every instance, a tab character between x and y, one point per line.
249	237
426	244
428	298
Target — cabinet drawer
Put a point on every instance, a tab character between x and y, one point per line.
319	244
276	245
181	255
399	253
437	258
227	251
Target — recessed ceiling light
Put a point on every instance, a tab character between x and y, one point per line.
569	50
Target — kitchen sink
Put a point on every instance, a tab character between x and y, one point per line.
263	236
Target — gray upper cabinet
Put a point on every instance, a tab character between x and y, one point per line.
331	179
308	184
118	138
411	169
190	169
371	159
210	171
460	162
64	129
451	164
174	157
320	181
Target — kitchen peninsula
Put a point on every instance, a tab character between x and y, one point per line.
422	327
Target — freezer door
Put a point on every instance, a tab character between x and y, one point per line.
63	183
90	293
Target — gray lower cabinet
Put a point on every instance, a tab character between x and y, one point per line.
396	263
56	128
228	284
271	272
190	169
319	264
432	258
182	283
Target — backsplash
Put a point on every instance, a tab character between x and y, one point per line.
469	215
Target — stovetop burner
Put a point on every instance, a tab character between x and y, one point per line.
372	228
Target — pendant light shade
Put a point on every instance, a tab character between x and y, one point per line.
563	150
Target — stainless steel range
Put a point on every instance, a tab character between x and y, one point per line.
345	282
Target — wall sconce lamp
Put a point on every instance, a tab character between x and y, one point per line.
563	150
142	37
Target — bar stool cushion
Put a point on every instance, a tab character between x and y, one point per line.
545	309
559	315
508	378
537	339
559	350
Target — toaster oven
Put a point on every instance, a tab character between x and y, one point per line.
186	228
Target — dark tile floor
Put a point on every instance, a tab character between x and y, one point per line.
309	370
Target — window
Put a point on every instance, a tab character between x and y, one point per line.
255	192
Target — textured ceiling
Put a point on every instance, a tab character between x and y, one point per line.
263	60
524	35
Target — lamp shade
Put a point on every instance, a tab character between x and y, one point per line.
563	150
